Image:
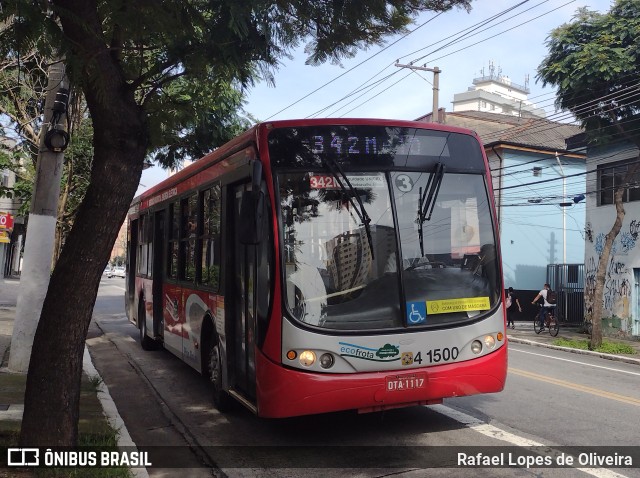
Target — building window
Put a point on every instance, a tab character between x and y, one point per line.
610	178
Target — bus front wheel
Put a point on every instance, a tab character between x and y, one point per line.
221	399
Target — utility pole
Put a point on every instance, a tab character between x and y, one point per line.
38	250
436	86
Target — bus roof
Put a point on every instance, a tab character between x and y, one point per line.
253	133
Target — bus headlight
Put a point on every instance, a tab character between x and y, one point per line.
476	347
489	341
326	361
307	358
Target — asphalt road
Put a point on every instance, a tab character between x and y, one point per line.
552	399
566	399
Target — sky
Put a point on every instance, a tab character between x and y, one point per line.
508	35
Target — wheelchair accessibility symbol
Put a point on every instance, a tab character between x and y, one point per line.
416	313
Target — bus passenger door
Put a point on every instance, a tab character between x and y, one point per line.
241	295
158	272
132	267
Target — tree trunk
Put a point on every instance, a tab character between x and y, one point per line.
52	394
601	274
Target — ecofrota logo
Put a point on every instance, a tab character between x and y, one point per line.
23	457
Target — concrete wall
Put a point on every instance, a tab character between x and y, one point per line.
621	296
535	229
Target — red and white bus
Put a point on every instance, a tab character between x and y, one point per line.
320	265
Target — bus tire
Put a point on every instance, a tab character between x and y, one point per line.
146	342
221	399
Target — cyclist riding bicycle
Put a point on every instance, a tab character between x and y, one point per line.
546	307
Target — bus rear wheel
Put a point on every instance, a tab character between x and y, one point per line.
146	342
221	399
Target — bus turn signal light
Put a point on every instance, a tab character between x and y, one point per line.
291	354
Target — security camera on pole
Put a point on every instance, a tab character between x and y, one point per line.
41	227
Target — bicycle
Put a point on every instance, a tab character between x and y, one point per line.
550	323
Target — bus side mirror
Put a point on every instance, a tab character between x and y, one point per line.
251	217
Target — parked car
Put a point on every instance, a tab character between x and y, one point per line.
106	271
116	272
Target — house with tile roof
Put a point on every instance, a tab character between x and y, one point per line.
539	178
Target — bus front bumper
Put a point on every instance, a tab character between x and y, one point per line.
286	392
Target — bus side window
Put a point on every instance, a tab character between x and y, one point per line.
209	242
188	229
263	278
143	264
172	250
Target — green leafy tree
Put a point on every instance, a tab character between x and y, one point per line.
24	82
77	173
166	78
592	61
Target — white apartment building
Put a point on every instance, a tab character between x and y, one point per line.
496	93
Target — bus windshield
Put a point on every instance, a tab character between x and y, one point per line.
374	255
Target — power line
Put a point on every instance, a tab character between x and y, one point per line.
497	34
564	177
463	33
356	66
484	21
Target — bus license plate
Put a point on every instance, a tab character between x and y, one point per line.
398	383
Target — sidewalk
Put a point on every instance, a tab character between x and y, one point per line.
524	334
98	414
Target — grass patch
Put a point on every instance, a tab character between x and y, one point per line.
93	431
99	441
606	347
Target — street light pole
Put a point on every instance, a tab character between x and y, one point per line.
38	249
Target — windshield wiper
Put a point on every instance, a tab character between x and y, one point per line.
427	202
349	190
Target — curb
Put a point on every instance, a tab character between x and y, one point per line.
618	358
111	412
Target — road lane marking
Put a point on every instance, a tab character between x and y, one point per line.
574	361
578	387
502	435
484	428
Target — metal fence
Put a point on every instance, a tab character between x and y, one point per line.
568	282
